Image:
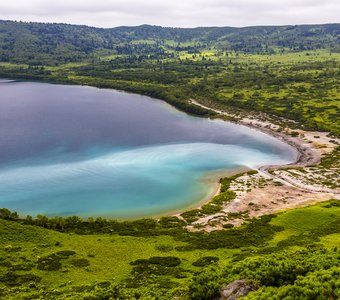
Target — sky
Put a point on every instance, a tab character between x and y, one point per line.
173	13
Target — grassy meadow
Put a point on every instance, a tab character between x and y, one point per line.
39	263
299	86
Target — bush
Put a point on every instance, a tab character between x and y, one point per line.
49	263
191	215
281	275
205	261
164	248
224	197
167	261
80	263
66	253
226	226
206	285
252	172
12	279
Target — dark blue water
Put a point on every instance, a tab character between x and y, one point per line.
68	150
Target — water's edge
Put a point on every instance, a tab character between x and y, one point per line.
211	180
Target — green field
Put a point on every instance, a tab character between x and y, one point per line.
38	263
299	86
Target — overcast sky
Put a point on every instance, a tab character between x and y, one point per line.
174	13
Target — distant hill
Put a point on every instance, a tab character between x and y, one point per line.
48	44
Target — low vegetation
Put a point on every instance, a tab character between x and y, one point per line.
290	72
279	255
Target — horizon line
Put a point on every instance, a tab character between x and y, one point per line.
163	26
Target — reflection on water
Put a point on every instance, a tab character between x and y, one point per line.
80	150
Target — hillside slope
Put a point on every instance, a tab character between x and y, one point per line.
48	44
281	256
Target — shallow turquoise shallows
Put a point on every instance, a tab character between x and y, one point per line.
70	150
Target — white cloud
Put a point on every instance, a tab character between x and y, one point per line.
179	13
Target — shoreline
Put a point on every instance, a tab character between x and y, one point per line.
290	192
212	180
306	155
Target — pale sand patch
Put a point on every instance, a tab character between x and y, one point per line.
212	180
271	199
257	198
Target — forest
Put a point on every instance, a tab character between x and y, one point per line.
290	72
50	44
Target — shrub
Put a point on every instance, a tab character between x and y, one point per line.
252	172
13	279
49	263
80	263
66	253
205	261
164	248
226	226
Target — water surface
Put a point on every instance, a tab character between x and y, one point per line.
70	150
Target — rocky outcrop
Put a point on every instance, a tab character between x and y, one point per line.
234	290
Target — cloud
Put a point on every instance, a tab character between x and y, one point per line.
177	13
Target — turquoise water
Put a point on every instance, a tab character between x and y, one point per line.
70	150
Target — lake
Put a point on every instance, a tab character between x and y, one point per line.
75	150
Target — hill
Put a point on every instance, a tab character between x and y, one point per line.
290	72
49	44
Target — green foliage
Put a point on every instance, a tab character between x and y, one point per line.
164	248
80	263
51	44
312	235
110	264
49	263
166	261
191	215
206	285
12	279
284	76
331	204
215	205
224	197
65	253
6	214
252	172
145	272
332	160
255	233
142	227
322	284
226	226
288	273
274	69
205	261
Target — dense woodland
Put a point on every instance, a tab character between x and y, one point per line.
50	44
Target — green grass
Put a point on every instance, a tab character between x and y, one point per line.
109	255
305	219
301	86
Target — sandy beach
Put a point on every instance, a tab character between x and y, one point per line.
212	180
275	187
